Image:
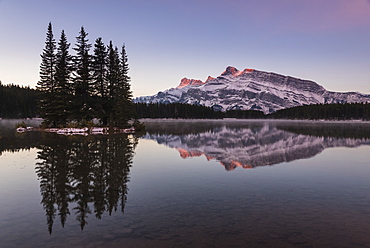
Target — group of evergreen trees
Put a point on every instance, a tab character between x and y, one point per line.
17	102
77	88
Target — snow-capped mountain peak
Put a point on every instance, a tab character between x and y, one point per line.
192	82
230	70
251	89
209	78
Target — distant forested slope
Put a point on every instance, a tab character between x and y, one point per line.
190	111
17	102
348	111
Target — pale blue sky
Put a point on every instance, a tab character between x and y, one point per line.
324	41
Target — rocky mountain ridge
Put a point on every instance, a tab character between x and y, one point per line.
251	89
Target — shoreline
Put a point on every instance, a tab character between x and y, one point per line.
78	131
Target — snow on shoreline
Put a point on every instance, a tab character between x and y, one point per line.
77	131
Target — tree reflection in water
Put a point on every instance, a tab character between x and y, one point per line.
90	173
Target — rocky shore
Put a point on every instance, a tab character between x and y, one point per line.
79	131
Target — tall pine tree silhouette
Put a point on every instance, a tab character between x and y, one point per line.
113	77
46	85
83	109
100	84
123	109
100	68
62	92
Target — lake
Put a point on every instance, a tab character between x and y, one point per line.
216	183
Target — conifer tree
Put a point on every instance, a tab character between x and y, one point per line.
47	77
82	79
100	68
47	67
123	109
124	68
63	65
112	80
112	69
63	70
100	85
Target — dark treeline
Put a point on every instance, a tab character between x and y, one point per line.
348	111
244	114
189	111
17	102
176	110
91	83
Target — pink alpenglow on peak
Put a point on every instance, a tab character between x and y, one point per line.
209	79
192	82
248	70
230	70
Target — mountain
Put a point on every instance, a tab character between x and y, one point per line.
251	89
250	147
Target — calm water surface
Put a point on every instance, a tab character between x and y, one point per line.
188	184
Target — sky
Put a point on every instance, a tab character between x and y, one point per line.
324	41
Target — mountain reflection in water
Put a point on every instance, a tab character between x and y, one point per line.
257	144
84	175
